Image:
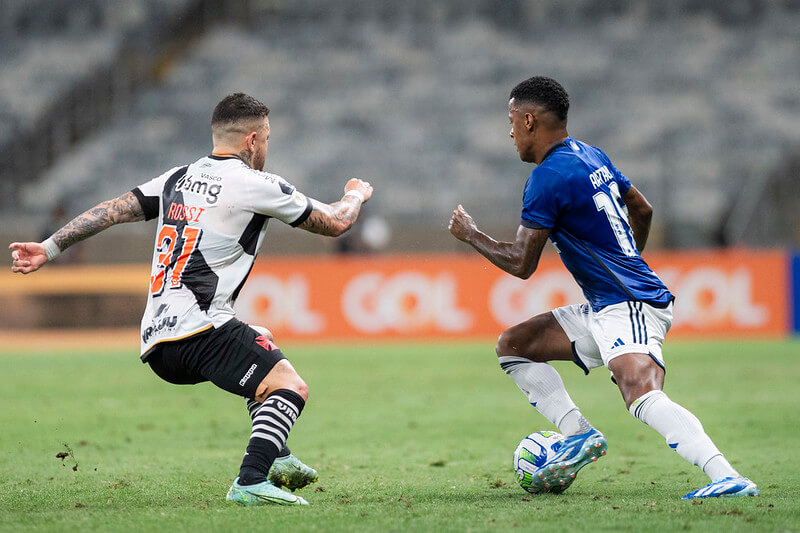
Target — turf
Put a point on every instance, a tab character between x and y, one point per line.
414	437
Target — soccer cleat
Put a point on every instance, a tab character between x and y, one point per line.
577	451
261	494
725	487
292	473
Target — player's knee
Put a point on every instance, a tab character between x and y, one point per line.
301	388
282	376
521	342
507	344
295	383
633	386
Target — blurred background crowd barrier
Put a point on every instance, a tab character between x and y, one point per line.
422	296
696	101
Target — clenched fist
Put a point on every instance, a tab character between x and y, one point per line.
361	186
461	224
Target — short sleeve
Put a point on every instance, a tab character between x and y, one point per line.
275	197
541	202
622	181
149	194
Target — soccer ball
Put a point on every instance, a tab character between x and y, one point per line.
531	454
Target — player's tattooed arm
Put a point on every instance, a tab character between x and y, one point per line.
28	257
125	208
334	219
519	258
640	214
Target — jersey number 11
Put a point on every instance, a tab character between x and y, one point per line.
609	204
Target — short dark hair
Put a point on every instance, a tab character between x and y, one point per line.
236	107
543	91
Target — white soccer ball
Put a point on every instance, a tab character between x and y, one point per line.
531	454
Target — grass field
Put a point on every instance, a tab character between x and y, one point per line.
414	437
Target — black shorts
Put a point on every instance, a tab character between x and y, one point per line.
234	357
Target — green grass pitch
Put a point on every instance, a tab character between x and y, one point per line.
414	437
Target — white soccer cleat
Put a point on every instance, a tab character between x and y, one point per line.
261	494
577	451
725	487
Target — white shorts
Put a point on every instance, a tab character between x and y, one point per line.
626	327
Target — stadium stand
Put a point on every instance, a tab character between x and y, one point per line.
696	101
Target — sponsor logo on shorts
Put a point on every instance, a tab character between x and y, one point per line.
265	343
247	375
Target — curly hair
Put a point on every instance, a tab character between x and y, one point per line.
236	107
543	91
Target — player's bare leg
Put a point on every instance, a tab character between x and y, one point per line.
282	395
640	381
523	351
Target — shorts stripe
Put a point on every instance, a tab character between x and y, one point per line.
633	324
639	320
644	323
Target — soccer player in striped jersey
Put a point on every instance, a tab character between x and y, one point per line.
212	218
598	223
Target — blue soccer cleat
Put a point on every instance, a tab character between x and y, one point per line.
261	494
292	473
725	487
577	451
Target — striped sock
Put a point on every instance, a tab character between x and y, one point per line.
252	408
272	421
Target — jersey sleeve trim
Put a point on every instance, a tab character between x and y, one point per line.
530	224
150	204
306	213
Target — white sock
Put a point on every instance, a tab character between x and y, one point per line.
545	391
683	431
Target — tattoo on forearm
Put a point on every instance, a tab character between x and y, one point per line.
333	219
126	208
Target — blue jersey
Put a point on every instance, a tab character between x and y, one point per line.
576	192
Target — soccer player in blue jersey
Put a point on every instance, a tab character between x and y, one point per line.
598	223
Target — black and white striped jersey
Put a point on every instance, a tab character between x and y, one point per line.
212	218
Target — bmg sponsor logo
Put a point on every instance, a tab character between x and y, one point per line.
211	192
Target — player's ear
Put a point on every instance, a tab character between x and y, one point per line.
530	121
251	140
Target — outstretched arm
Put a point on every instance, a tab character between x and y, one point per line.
30	256
519	258
336	218
640	213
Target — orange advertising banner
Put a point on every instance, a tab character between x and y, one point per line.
718	293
